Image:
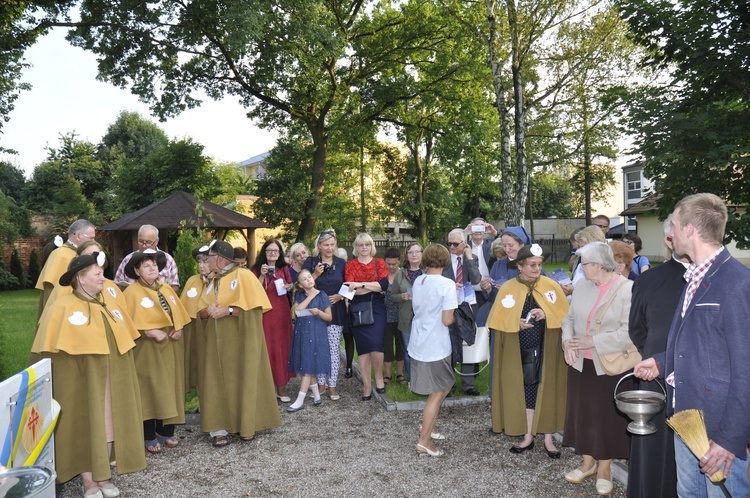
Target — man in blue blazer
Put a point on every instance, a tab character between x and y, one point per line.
707	361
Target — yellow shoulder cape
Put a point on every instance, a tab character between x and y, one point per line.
76	326
110	288
191	295
240	289
146	311
505	314
56	265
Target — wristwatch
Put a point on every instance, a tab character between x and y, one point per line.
231	311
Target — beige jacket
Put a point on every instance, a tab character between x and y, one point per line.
613	325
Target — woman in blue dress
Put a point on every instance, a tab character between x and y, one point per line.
310	352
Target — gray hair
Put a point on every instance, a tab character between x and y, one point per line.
668	225
79	226
148	227
295	247
598	252
458	231
322	237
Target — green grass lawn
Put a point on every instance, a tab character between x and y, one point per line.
17	326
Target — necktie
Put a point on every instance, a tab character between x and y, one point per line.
459	271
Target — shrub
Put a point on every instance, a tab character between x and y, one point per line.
16	267
34	269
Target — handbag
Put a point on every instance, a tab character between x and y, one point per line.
618	362
531	361
360	313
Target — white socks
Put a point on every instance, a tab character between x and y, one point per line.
299	401
316	391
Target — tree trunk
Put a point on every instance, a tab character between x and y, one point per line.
363	206
506	163
586	162
514	207
317	185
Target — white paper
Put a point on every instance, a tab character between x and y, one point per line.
346	292
280	289
303	312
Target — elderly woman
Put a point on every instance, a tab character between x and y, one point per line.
159	316
192	334
90	338
529	368
401	293
596	324
328	271
270	268
367	276
430	345
640	263
298	254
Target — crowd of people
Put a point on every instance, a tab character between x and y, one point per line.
558	345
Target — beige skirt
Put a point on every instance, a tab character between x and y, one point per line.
429	377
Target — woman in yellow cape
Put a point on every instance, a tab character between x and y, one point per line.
529	383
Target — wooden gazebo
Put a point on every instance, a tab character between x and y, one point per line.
180	210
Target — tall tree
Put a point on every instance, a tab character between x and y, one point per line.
289	61
692	122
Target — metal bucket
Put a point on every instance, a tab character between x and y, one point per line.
27	482
640	406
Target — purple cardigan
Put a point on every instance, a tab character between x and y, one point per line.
709	352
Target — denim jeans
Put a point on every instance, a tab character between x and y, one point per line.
691	483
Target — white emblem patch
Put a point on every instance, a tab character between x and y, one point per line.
536	250
508	301
117	314
58	241
192	292
147	303
551	296
77	318
233	285
112	292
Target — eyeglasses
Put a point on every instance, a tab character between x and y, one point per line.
628	242
272	251
146	242
601	226
589	263
326	234
535	265
414	252
364	244
453	244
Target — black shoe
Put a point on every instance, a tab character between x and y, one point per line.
367	398
493	433
520	449
553	454
348	374
380	390
472	392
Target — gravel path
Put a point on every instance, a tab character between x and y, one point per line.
356	448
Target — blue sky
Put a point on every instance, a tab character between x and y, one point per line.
66	97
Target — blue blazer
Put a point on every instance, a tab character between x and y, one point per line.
709	352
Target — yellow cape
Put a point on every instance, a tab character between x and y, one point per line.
191	295
146	311
56	264
505	314
110	288
240	289
76	325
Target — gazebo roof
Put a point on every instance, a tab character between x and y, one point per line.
179	211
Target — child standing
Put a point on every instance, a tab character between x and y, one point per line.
310	352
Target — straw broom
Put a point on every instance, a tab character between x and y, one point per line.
691	427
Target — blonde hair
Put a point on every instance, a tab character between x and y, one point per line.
325	235
591	233
707	213
294	249
364	237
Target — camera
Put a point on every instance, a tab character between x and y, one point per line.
328	268
530	318
271	270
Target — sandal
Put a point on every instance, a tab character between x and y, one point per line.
247	438
153	446
219	441
386	379
169	442
400	379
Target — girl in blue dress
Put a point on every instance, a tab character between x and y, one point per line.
310	352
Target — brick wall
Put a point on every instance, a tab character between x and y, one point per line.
24	246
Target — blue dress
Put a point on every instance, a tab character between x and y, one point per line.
310	353
330	283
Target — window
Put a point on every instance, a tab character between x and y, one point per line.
633	181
